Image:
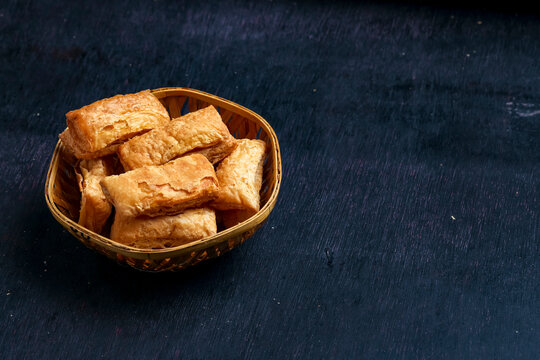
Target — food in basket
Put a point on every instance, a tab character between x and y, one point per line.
167	189
164	231
230	218
95	209
240	177
167	192
98	129
201	131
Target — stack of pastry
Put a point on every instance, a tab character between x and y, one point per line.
174	174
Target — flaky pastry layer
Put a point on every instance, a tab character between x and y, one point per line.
240	177
97	129
95	209
201	131
230	218
162	190
164	231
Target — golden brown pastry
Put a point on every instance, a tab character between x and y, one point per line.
230	218
201	131
240	177
162	190
98	129
95	209
164	231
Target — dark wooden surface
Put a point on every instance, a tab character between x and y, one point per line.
407	223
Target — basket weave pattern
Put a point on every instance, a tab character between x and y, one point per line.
63	196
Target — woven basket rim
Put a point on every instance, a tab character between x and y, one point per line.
154	254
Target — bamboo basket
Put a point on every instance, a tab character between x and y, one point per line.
63	197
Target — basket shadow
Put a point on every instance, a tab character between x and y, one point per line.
53	259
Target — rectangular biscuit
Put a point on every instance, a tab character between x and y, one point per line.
159	232
95	209
162	190
201	131
97	129
240	177
230	218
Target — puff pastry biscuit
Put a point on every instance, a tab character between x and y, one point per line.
95	209
230	218
240	177
201	131
162	190
164	231
97	129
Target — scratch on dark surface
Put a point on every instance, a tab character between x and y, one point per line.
329	257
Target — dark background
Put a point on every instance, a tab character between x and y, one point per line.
407	222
